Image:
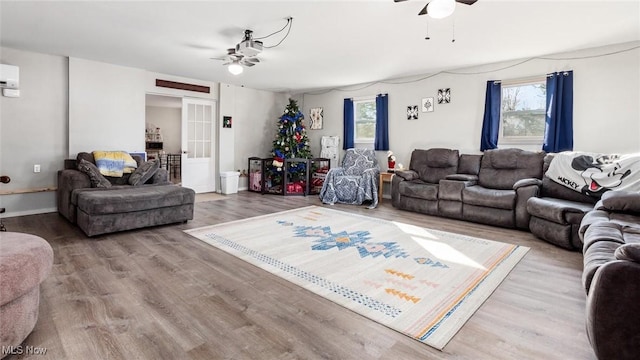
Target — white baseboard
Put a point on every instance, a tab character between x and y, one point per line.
243	188
9	214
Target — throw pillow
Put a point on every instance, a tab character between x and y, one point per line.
97	180
144	172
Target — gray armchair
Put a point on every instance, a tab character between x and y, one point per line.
355	182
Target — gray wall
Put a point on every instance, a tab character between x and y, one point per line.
106	107
257	113
606	104
33	130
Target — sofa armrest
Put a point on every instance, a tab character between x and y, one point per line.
407	174
611	310
525	189
629	252
69	180
463	177
527	182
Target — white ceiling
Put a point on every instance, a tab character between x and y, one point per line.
331	43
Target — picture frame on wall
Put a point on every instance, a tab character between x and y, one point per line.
315	115
226	121
412	112
444	96
427	104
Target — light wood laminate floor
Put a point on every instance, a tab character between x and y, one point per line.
158	293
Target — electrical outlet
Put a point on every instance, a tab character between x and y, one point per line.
36	168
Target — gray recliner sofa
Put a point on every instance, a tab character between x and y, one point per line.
122	206
611	276
557	213
508	178
417	189
492	188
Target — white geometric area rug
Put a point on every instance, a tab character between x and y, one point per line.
423	283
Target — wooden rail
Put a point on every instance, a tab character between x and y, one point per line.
27	191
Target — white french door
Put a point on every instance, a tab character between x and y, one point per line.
198	148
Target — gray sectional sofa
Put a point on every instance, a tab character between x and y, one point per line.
611	277
492	188
120	206
508	188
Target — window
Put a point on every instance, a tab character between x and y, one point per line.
523	107
364	115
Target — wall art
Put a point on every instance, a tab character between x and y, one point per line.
412	112
315	114
444	96
226	121
427	104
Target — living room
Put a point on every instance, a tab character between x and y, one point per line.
70	103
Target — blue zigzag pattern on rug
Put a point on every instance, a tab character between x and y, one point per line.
360	240
314	279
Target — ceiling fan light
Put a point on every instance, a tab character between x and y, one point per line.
439	9
235	68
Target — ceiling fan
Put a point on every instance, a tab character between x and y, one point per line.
244	54
439	9
237	60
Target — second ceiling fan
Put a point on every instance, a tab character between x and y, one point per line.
439	9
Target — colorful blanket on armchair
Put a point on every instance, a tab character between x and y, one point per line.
593	174
114	163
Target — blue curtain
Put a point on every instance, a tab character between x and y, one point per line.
349	131
558	132
491	121
381	141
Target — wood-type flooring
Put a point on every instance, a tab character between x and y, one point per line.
158	293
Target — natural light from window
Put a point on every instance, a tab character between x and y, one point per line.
438	249
523	112
365	120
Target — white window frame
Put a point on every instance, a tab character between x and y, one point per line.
519	140
356	139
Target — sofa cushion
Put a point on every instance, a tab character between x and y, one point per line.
501	168
419	189
129	199
556	209
97	180
85	156
621	201
144	172
494	198
628	252
595	256
469	164
434	164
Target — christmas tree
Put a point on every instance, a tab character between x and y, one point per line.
291	141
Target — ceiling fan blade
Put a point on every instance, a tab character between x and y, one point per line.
252	59
399	0
467	2
246	63
424	10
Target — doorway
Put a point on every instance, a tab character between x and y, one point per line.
180	132
163	133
